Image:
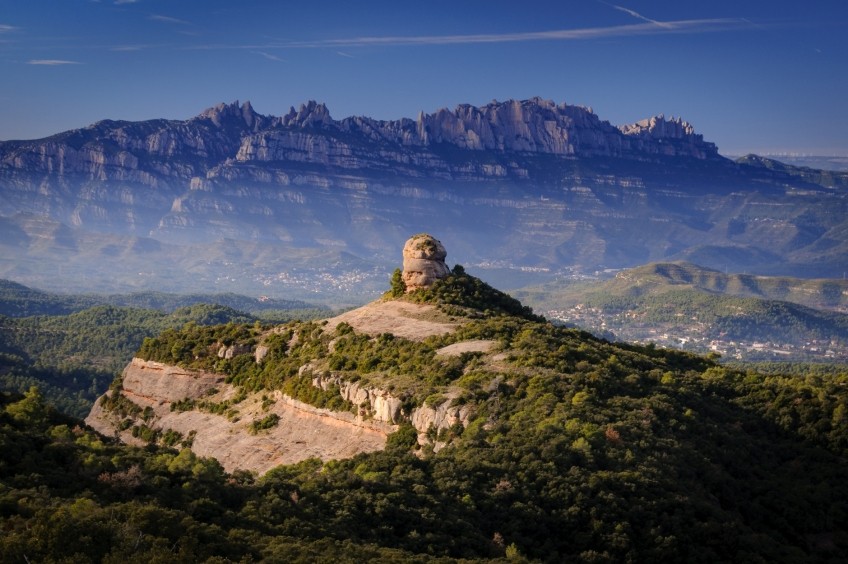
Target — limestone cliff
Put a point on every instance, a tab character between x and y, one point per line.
170	398
520	183
303	431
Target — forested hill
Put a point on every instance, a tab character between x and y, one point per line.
72	346
830	294
17	300
575	449
739	316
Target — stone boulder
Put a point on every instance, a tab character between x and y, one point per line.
423	262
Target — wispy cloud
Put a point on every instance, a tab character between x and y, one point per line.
167	19
119	2
52	62
636	14
343	54
648	28
7	28
269	56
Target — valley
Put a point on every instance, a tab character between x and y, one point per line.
692	334
681	305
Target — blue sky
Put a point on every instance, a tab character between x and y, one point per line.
767	76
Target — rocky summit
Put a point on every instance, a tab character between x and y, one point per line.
245	201
423	262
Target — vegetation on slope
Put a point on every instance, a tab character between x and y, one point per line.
72	346
17	300
462	290
581	451
577	450
72	358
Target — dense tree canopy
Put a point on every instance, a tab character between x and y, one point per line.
577	450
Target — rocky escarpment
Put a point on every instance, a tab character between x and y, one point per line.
218	419
168	152
530	126
529	183
301	430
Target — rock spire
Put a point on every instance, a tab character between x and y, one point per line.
423	261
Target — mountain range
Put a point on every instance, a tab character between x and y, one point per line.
233	200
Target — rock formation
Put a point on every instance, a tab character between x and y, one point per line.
522	184
423	261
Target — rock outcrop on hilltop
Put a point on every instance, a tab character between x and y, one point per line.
423	262
160	393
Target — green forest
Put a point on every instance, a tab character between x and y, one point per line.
578	450
73	346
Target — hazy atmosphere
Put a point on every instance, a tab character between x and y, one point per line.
759	76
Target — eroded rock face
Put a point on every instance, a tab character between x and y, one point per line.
303	431
423	262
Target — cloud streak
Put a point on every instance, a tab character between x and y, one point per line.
52	62
269	56
636	14
7	28
167	19
649	28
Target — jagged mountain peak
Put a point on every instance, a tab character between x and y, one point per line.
234	113
658	127
310	114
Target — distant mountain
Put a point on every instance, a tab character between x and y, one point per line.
684	305
821	162
524	186
17	300
656	278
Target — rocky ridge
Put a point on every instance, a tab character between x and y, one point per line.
218	143
303	430
526	184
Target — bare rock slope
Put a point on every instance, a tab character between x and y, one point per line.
302	431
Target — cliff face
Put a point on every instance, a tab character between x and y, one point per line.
160	154
170	398
533	126
303	431
521	183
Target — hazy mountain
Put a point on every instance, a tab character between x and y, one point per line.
524	186
17	300
684	305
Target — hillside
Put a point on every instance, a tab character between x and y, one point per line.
498	435
73	345
740	316
596	452
305	205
